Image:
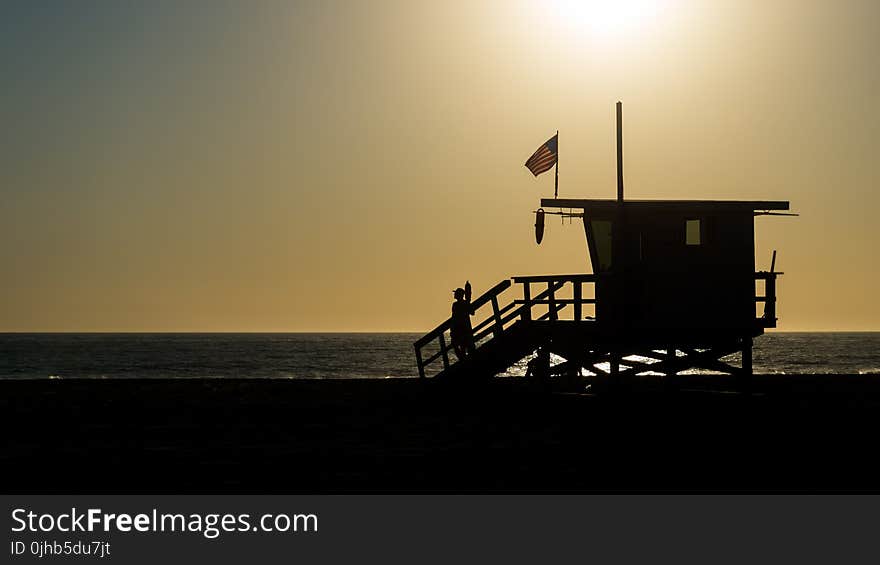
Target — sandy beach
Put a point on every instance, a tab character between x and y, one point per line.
402	435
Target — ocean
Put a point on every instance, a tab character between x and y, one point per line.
339	355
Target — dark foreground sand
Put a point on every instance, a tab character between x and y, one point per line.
218	436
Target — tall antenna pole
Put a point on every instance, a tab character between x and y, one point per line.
617	261
619	152
556	185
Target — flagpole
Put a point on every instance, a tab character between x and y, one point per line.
619	153
556	185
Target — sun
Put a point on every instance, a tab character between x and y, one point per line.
608	18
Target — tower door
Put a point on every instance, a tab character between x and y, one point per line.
599	243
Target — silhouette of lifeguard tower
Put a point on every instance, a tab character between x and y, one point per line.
673	288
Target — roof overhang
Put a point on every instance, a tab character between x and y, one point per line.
667	205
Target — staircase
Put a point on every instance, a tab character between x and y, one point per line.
509	329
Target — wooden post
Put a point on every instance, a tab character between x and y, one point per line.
746	375
670	359
527	299
419	363
615	369
770	300
496	313
444	351
747	356
578	296
669	374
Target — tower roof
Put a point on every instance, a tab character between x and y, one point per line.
668	205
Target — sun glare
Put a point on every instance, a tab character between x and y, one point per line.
608	18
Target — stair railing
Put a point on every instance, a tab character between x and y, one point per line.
501	317
493	324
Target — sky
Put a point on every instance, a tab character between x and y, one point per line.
342	166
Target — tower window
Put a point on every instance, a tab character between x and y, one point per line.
692	232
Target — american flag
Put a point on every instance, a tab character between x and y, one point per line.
544	158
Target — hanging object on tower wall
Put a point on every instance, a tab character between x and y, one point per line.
539	225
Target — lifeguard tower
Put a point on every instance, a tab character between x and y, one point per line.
673	287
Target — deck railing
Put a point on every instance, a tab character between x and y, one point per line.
768	320
544	298
552	297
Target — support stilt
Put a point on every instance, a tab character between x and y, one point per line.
669	380
614	377
746	372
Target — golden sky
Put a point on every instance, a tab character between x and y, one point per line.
342	166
